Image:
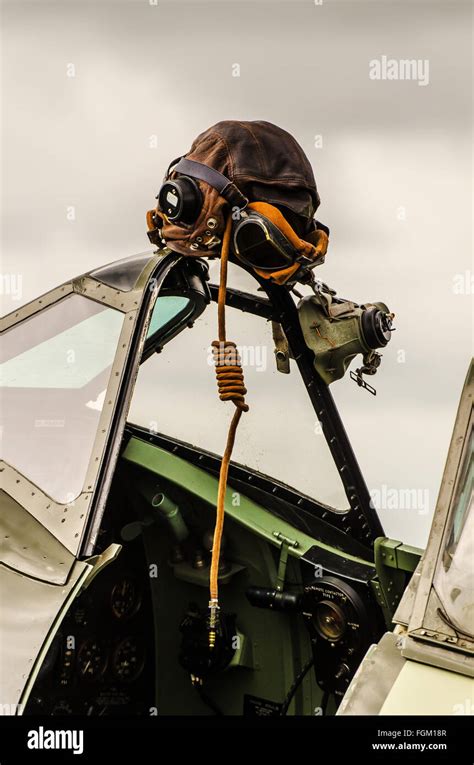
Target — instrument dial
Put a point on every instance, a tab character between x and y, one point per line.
125	599
128	660
329	620
91	659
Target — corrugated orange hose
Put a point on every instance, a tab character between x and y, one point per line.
230	382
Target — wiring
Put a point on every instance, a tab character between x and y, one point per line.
296	684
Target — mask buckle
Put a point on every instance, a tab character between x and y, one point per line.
369	367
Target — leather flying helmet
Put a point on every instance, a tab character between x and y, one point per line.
258	174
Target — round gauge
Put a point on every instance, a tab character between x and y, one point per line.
329	621
128	660
91	659
125	599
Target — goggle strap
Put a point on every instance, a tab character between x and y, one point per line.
214	178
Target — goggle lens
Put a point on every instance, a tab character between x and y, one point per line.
255	245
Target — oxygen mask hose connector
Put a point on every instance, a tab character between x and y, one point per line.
213	622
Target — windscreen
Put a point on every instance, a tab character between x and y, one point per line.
454	578
54	371
176	394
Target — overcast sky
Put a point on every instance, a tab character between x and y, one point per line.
98	98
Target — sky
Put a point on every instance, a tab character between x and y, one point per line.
99	96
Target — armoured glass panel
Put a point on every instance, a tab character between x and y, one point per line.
166	308
176	394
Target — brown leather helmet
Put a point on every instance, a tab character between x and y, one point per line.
263	162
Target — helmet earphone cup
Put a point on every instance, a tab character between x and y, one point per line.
180	199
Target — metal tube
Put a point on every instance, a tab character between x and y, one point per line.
171	513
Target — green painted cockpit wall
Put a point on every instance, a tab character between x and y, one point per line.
277	644
246	513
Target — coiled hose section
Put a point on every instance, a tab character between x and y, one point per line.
231	387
